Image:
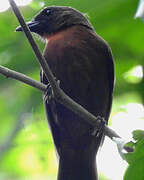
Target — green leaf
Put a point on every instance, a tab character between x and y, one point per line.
138	134
36	4
137	154
135	171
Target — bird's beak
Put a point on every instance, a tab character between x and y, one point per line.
33	25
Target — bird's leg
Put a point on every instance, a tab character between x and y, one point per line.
96	131
48	94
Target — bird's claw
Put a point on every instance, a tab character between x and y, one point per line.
96	131
48	94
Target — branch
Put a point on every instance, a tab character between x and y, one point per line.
23	78
29	81
35	47
59	95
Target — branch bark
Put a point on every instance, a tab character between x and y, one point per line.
29	81
59	95
23	78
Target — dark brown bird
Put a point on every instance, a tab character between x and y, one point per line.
83	63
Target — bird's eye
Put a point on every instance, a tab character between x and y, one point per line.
48	11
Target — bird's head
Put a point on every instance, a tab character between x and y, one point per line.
53	19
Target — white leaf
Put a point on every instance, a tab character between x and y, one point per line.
140	10
120	145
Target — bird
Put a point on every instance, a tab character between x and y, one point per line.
82	62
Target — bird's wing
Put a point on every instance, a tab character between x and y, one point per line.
86	74
111	75
51	115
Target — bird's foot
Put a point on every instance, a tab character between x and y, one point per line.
96	131
48	94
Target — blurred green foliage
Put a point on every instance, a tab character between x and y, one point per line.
136	158
26	150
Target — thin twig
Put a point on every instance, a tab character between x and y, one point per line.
23	78
34	46
27	80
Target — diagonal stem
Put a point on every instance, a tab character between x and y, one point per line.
23	78
34	46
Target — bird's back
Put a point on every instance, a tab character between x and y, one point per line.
83	63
